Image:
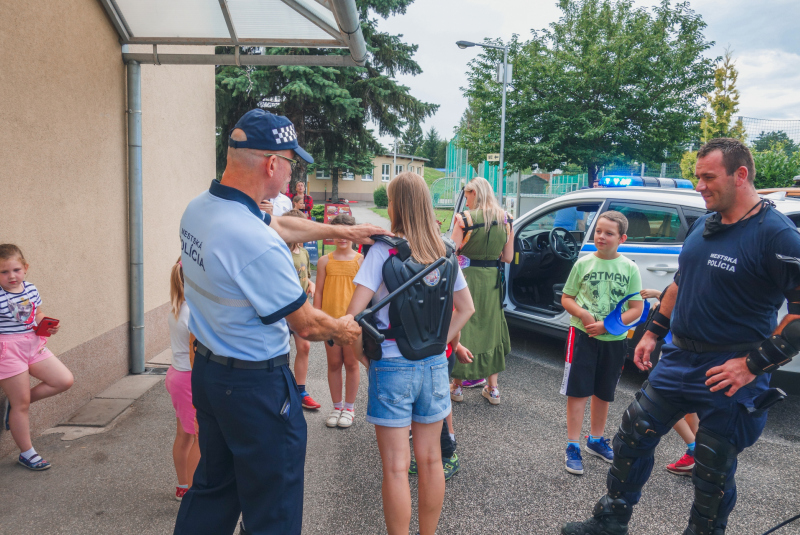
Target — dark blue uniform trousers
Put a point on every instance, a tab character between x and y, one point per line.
252	452
680	378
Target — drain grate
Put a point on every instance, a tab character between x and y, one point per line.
162	371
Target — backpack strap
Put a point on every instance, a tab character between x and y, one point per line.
403	249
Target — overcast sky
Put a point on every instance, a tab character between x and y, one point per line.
763	35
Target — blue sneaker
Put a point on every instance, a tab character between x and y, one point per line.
574	461
601	448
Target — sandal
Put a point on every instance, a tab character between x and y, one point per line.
492	394
38	465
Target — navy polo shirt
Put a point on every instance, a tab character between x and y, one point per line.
240	282
733	283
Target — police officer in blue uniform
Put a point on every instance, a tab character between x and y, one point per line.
737	266
242	290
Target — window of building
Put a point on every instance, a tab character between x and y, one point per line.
419	171
347	175
398	168
323	174
366	178
385	172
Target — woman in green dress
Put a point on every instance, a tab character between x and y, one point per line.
484	239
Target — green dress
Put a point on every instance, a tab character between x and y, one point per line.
486	332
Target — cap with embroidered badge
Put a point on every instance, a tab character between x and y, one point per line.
267	131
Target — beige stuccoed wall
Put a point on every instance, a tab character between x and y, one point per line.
63	148
358	189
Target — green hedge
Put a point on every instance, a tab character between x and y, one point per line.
380	197
318	212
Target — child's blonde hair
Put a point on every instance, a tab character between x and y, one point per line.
413	216
9	251
294	213
176	297
485	200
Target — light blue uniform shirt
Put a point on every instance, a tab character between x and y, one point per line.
240	280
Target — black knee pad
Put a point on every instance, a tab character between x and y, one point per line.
636	424
714	457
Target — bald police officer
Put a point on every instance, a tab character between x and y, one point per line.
736	268
242	290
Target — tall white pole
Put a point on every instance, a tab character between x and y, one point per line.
394	160
501	171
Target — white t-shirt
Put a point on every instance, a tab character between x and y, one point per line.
280	205
370	275
179	339
17	311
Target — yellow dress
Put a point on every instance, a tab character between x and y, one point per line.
338	288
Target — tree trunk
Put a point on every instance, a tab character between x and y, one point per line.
335	185
593	171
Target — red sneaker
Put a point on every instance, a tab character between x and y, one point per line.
179	493
309	403
684	465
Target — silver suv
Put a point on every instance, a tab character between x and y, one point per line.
551	237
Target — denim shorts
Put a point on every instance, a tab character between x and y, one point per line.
402	390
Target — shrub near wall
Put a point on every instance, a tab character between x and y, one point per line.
317	212
380	197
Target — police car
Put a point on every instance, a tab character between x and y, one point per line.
551	237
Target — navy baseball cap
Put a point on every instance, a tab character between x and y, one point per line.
267	131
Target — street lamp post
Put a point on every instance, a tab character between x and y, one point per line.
467	44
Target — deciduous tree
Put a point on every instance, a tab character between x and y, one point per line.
606	80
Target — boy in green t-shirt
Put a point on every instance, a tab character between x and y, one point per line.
594	357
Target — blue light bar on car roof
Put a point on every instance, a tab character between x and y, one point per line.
611	181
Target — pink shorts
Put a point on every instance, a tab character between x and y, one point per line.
19	351
179	386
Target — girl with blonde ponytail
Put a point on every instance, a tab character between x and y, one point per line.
185	448
402	391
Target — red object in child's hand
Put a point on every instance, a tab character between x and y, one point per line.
43	329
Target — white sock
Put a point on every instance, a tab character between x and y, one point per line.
349	406
453	437
338	406
183	486
28	454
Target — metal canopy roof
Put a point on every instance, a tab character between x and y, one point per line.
267	23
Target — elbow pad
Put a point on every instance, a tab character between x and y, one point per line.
661	328
775	351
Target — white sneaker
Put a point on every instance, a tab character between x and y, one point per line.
333	418
346	419
456	393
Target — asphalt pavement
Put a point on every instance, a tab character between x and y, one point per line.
512	478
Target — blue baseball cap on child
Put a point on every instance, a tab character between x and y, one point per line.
267	131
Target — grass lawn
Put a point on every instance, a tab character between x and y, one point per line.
442	215
431	175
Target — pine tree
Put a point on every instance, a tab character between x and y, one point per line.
331	108
430	146
412	139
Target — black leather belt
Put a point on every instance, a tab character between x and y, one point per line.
696	346
280	360
484	263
